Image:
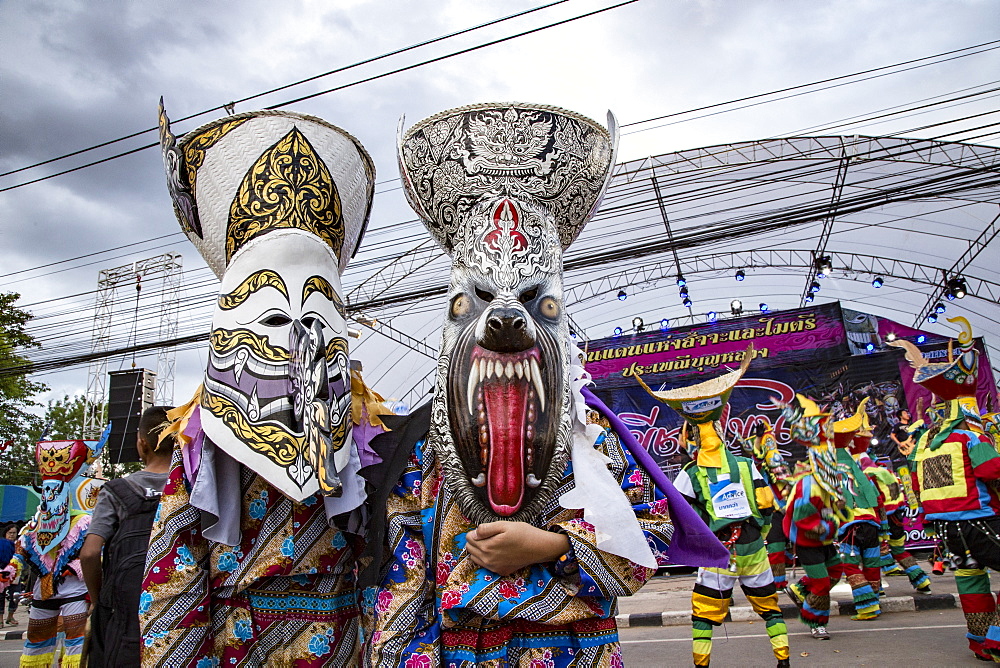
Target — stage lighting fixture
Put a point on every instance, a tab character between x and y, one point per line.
764	308
683	292
736	306
814	286
824	266
940	307
891	336
681	282
809	298
572	332
740	274
664	324
618	331
870	347
932	317
874	441
957	287
637	324
622	295
712	316
687	303
921	338
877	282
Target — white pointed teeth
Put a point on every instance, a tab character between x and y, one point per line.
487	369
536	378
470	390
531	481
479	480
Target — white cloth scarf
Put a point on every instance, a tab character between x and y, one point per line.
596	491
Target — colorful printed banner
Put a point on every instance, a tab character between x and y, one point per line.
821	352
788	336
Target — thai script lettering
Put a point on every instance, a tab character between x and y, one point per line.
768	326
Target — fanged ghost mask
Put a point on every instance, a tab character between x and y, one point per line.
62	465
504	188
276	203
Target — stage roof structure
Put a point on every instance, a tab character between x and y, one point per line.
912	213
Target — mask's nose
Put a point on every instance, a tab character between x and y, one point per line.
311	400
507	330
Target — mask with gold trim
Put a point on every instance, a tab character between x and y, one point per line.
62	465
505	189
276	203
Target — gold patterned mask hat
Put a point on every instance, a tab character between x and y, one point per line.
276	203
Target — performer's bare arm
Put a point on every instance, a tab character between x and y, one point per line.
90	564
505	547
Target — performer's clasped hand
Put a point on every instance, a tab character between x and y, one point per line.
505	547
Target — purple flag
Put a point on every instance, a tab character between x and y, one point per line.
693	543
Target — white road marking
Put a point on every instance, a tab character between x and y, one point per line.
799	633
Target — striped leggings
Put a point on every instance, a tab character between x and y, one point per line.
714	588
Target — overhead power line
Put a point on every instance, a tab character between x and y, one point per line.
398	70
315	77
970	49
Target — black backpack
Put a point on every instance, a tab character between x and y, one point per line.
115	624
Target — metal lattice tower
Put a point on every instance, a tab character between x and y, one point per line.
169	269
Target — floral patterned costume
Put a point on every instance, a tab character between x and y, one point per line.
457	614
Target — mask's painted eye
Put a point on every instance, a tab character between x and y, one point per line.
460	305
550	308
528	295
484	295
275	320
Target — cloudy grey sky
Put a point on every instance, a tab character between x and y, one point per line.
74	73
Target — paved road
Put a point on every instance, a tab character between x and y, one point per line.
915	639
932	638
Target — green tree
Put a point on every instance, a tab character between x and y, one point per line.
19	426
64	417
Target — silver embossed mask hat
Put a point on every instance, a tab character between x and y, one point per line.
505	189
276	203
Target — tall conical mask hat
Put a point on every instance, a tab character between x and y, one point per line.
276	202
949	380
62	465
504	188
954	381
845	430
702	405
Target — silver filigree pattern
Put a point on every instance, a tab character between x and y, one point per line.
547	155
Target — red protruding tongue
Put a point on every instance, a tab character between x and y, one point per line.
506	403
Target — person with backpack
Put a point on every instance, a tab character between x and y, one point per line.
120	528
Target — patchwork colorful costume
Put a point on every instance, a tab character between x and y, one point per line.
737	503
957	469
860	536
814	512
504	189
252	556
50	546
772	466
891	498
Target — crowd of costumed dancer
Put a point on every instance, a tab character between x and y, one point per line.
839	514
301	523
